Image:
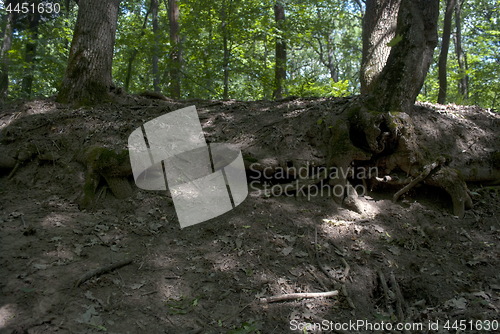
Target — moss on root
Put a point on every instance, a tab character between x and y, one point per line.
105	166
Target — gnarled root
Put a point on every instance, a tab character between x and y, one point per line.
449	179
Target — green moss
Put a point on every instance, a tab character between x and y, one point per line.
340	142
99	158
102	163
250	159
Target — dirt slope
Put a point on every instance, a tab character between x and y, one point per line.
410	261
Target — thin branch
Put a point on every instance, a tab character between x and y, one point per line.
427	170
102	270
291	296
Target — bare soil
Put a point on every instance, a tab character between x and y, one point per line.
412	261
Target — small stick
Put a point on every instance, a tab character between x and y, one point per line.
14	170
317	278
381	277
102	270
291	296
399	297
346	295
427	170
346	270
148	293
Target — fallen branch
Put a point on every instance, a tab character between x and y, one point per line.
400	303
386	290
346	295
317	278
14	170
347	268
291	296
427	170
102	270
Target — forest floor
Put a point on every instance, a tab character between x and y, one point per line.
410	261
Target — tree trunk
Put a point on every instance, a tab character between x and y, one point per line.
135	51
379	25
443	56
175	53
29	57
280	69
225	93
332	64
88	75
4	57
154	60
463	81
397	86
225	46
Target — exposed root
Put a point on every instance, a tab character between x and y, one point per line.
421	177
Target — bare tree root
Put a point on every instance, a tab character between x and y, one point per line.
450	180
400	303
385	289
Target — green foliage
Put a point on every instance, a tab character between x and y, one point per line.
323	39
396	39
52	49
481	44
246	328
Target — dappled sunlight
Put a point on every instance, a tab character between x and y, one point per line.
55	219
7	314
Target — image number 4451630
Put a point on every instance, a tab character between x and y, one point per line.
26	7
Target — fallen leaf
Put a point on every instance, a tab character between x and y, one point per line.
286	251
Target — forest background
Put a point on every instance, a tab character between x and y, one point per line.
227	49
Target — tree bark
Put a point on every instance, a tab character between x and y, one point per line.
88	75
280	69
225	47
135	51
443	55
154	60
330	62
379	26
30	54
4	57
463	81
175	53
397	86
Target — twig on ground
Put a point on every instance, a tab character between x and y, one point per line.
385	288
345	275
102	270
14	170
346	295
399	298
427	170
317	278
346	270
291	296
320	265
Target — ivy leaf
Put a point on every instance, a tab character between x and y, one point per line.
398	38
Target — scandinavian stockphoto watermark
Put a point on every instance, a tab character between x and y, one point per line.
274	181
170	151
